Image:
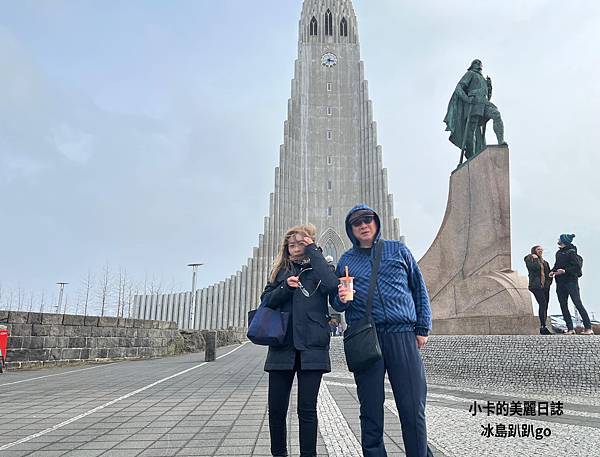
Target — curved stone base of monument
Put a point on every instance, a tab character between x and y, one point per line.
491	303
468	266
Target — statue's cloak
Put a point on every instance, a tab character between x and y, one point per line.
471	84
456	118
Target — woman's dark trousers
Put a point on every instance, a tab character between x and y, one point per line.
402	361
280	386
563	291
542	296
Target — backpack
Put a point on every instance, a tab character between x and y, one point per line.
579	264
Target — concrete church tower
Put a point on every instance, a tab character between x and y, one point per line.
329	161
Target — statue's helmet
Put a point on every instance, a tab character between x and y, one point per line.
476	64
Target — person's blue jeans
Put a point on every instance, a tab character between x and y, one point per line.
406	373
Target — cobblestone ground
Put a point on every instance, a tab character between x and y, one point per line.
455	431
183	406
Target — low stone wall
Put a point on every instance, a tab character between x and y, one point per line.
41	339
526	363
487	325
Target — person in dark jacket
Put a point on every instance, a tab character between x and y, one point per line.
402	315
539	284
300	283
567	270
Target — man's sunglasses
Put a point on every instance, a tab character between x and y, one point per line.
366	219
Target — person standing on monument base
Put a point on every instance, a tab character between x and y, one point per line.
539	283
300	283
567	270
402	316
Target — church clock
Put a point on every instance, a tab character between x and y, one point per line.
329	59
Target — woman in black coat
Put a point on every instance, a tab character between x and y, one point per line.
300	283
567	270
539	283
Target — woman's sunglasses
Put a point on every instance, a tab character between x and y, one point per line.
305	292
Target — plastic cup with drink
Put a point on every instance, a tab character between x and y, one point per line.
348	282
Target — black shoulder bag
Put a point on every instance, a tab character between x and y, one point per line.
361	345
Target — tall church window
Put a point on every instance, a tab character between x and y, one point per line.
329	160
329	249
329	134
329	212
329	111
328	23
329	185
329	87
313	26
343	27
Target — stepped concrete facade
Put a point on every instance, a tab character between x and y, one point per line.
328	162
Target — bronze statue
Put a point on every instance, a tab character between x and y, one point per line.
469	110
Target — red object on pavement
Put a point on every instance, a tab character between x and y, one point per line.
3	343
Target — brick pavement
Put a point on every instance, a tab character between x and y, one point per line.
182	406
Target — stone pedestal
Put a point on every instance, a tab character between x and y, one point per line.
468	266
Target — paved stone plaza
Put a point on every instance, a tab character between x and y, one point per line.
183	406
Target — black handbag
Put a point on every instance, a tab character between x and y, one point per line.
361	345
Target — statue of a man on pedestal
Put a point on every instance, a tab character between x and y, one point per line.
470	109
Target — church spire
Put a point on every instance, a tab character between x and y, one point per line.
328	21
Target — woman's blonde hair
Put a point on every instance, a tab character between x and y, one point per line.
282	261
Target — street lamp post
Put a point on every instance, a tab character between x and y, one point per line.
60	295
192	311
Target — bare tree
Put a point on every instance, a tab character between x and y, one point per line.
87	285
30	301
66	304
77	302
106	293
103	293
10	298
132	290
42	302
122	291
3	296
155	287
119	291
20	298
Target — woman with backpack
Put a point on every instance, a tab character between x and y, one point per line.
539	283
567	271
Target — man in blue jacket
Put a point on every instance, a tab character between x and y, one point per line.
402	315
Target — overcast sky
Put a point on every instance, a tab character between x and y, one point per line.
144	134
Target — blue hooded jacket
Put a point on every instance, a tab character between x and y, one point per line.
400	301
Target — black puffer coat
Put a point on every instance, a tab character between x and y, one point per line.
308	328
566	258
534	268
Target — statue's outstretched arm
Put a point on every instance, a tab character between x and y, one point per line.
489	85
